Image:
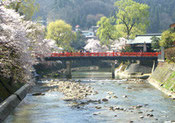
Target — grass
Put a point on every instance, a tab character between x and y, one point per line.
170	82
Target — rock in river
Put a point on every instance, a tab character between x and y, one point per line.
38	94
104	100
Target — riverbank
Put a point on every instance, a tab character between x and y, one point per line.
163	78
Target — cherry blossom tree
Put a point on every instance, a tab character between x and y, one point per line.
95	46
20	41
118	44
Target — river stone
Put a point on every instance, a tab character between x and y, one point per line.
38	94
111	108
108	97
97	107
161	84
110	93
96	113
139	106
140	112
104	100
141	117
125	96
128	88
99	101
150	115
68	100
151	110
115	97
117	108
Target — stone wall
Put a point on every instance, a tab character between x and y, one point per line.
163	78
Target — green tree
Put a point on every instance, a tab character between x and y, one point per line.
24	7
155	43
133	15
127	49
106	31
167	38
62	33
79	42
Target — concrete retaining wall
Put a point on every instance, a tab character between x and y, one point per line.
163	78
133	70
12	102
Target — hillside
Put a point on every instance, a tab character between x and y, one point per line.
87	12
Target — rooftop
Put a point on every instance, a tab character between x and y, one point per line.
141	39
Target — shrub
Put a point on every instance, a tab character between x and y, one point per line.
127	49
170	54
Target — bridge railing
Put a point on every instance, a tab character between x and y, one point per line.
85	54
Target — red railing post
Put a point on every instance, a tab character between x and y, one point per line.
111	54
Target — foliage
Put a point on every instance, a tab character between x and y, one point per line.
24	7
167	38
127	49
132	15
169	84
79	42
155	43
170	54
106	31
161	12
62	33
20	41
85	13
121	31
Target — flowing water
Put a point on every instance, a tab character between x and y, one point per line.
133	101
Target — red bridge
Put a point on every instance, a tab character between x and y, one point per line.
124	56
103	56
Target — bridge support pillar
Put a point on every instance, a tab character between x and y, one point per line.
113	70
68	70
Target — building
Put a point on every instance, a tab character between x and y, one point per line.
142	43
88	34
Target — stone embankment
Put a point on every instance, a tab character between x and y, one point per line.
7	106
163	78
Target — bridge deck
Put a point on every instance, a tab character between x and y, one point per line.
104	56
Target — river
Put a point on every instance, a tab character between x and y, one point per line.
126	101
